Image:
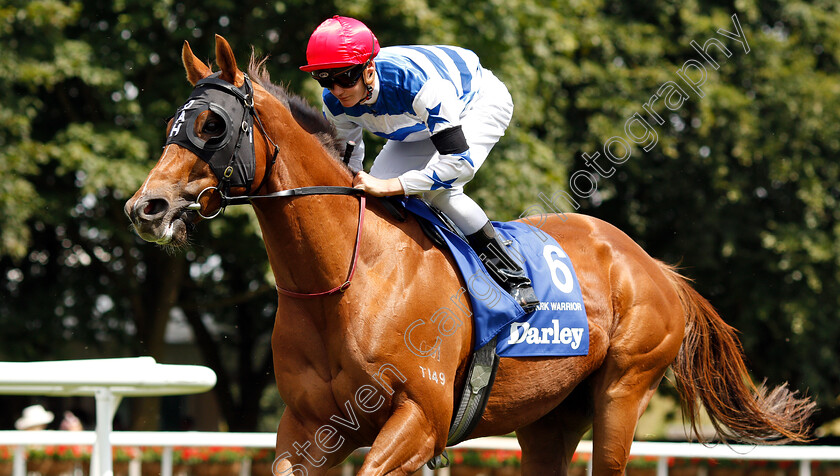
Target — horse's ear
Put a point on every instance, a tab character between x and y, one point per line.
227	63
196	69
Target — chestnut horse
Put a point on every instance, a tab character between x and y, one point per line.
341	360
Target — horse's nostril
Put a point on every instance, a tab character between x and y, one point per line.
152	208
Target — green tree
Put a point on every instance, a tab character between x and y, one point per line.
85	88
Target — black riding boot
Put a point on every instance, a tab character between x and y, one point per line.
505	270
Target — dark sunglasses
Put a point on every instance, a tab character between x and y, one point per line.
346	78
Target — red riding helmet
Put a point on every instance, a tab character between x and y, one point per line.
338	42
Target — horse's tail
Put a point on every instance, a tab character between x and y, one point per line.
710	370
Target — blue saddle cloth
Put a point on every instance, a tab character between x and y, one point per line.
558	327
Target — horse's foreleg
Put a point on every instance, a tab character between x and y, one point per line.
300	452
406	441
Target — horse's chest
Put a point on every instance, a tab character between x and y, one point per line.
346	404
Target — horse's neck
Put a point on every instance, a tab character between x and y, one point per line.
309	239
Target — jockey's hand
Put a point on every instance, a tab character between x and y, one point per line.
377	187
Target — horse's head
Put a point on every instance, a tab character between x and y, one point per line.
210	147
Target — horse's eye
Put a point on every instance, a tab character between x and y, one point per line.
213	126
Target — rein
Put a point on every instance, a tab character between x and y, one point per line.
300	192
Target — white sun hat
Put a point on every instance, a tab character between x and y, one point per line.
34	415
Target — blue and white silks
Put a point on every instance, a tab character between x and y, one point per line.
418	91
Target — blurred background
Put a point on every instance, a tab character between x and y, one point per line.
741	190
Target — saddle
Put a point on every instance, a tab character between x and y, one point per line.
396	208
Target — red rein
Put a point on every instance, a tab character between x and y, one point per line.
346	284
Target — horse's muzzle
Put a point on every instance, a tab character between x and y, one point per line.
154	220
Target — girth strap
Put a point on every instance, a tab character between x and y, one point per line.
476	392
473	400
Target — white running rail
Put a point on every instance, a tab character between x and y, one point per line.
108	381
804	455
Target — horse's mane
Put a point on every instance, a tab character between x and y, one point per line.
309	118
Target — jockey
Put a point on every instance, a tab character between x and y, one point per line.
441	113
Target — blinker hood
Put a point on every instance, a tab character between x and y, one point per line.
230	154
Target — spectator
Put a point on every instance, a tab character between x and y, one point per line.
71	423
34	417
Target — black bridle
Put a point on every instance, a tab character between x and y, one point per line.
225	156
235	172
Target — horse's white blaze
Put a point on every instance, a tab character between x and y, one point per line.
149	177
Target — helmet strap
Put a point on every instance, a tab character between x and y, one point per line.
369	87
